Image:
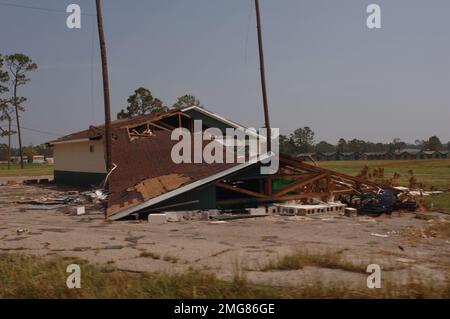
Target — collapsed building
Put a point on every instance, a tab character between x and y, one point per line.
146	180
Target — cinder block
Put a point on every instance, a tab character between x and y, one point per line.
81	210
257	211
157	219
204	215
351	212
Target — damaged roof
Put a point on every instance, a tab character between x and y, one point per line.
96	132
146	173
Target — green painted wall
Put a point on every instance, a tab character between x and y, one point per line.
208	120
78	178
205	197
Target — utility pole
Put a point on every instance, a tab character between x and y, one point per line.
18	119
263	78
268	180
108	133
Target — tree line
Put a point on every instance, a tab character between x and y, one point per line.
302	140
14	70
143	102
27	151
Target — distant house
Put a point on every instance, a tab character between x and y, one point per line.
443	154
426	154
372	156
327	156
36	159
306	156
349	156
15	159
408	154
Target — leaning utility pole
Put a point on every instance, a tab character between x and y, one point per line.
263	78
17	119
108	133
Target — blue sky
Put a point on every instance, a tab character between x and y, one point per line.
325	69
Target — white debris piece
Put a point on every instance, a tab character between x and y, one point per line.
257	211
380	235
157	219
417	192
405	260
21	231
81	210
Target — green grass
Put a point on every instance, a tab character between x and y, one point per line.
439	202
37	277
29	170
432	173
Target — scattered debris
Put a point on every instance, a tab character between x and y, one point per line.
379	235
351	212
236	217
405	260
157	219
21	231
269	238
383	201
81	210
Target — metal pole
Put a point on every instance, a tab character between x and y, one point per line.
108	134
268	180
263	78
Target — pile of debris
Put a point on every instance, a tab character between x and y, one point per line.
95	199
384	201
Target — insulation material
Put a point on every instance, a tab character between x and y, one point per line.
153	187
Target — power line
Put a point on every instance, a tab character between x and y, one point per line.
7	4
38	131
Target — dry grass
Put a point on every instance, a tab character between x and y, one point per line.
148	254
439	229
301	258
171	259
32	277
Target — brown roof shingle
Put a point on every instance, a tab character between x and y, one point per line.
96	132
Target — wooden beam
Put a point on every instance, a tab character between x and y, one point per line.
170	127
274	177
300	184
240	190
158	126
343	191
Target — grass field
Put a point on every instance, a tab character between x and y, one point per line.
29	170
434	173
